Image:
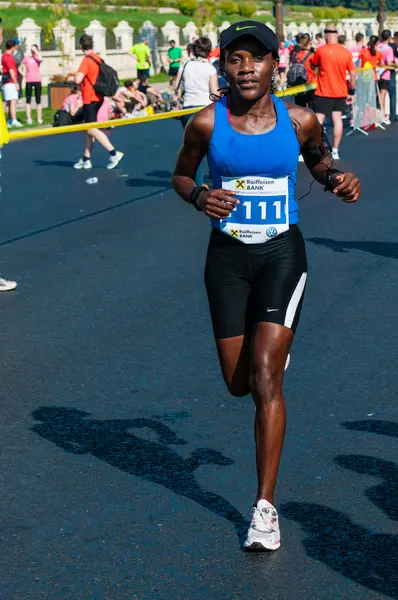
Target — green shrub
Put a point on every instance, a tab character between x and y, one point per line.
318	13
228	7
331	14
247	9
187	7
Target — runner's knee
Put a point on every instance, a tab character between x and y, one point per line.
265	379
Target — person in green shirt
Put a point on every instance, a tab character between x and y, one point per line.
174	56
142	53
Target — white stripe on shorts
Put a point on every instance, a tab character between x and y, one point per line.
295	300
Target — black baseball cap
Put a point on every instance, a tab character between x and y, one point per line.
261	32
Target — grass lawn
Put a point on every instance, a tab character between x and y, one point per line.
48	115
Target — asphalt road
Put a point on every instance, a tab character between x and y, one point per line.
128	471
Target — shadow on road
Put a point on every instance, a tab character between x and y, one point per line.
113	442
388	249
366	557
377	426
384	495
353	551
54	163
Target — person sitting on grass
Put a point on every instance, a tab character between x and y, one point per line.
73	104
153	96
128	100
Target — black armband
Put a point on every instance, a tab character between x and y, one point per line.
329	187
193	198
313	156
351	92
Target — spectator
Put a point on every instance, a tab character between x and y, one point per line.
388	60
342	40
30	69
214	55
303	55
19	56
319	40
333	62
87	76
1	31
283	62
153	96
370	55
174	56
359	46
9	80
73	105
142	54
129	101
199	79
393	81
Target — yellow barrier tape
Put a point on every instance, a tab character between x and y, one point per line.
33	133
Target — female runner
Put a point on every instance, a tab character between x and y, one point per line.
256	267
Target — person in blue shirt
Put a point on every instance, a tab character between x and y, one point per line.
256	268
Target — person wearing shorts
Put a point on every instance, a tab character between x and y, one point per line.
86	77
388	60
256	268
10	85
174	56
30	69
333	62
142	53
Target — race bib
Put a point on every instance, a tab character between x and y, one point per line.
263	211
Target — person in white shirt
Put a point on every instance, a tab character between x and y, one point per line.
199	79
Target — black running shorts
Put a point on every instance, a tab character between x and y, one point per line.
384	84
90	111
325	106
252	283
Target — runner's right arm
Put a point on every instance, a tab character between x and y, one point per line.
215	203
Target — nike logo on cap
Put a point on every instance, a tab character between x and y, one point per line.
246	27
272	309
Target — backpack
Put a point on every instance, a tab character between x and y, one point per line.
107	81
297	74
62	118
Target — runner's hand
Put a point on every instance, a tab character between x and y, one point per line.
347	187
217	204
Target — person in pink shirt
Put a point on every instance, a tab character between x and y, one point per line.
357	49
283	61
319	40
30	69
388	60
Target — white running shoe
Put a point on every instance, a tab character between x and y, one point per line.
387	121
83	164
29	122
335	154
114	160
5	285
263	533
40	122
16	123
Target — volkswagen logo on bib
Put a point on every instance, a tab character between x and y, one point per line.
271	232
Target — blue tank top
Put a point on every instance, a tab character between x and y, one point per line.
273	154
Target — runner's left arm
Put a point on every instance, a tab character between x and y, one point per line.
316	152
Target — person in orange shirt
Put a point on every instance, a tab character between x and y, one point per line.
87	76
333	62
371	55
